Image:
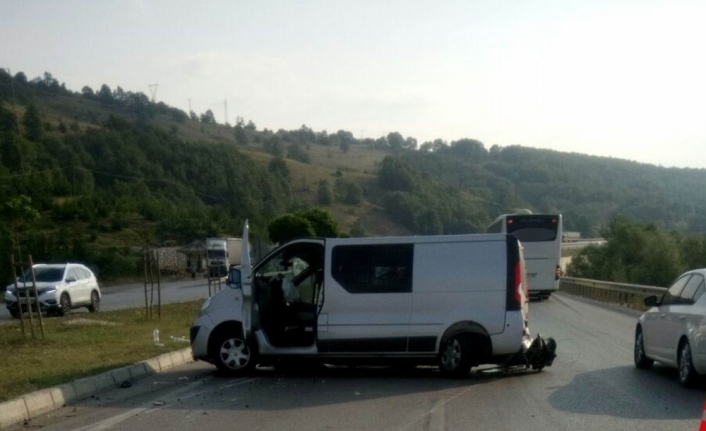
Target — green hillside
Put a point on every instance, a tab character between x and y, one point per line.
109	171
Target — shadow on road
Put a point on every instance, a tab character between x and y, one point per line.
627	392
271	389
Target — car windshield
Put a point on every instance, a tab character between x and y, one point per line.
44	275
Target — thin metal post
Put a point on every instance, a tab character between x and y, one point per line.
36	296
147	309
17	293
159	288
151	266
29	304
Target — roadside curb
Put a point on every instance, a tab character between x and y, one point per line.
37	403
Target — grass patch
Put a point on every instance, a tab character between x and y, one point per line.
78	348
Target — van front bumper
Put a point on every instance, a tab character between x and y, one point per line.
199	334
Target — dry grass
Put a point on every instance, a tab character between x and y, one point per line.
82	346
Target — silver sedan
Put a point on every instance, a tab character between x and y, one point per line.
673	330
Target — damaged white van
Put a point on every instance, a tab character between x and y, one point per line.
456	301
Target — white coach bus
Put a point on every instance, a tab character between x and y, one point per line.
540	235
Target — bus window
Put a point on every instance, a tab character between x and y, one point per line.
533	228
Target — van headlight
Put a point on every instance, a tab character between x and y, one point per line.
9	290
206	303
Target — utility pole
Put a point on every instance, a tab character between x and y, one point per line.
153	90
189	105
225	112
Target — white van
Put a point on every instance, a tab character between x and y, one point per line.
457	301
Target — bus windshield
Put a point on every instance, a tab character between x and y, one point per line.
533	228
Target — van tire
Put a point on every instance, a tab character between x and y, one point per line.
232	355
455	356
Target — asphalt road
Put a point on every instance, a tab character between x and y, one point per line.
591	386
133	295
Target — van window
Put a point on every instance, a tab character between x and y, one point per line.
533	228
373	268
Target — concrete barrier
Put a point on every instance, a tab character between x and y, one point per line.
36	403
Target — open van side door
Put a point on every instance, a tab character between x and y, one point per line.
246	282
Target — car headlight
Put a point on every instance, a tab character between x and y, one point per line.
10	290
44	290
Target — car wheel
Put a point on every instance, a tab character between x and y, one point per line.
641	361
233	356
64	305
95	302
455	357
687	374
15	314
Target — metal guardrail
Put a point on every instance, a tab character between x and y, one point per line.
627	295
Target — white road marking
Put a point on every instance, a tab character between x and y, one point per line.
438	410
147	407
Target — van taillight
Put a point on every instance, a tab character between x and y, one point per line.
518	283
557	273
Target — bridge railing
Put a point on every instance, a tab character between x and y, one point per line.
627	295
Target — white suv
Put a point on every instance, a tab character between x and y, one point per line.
60	287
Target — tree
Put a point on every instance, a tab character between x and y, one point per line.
32	123
274	145
410	143
8	121
105	95
208	117
193	116
395	140
288	227
298	153
250	127
241	136
87	92
278	167
345	146
324	195
18	214
21	78
322	222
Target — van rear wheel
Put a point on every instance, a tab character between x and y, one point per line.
455	357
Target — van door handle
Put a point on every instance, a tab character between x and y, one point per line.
661	316
682	317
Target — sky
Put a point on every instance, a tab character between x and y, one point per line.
616	78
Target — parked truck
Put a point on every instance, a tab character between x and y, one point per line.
234	247
221	254
217	257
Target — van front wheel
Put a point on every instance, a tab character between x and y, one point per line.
455	357
233	356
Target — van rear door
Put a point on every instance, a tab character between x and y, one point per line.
517	287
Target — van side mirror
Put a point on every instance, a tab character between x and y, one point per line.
651	301
234	279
